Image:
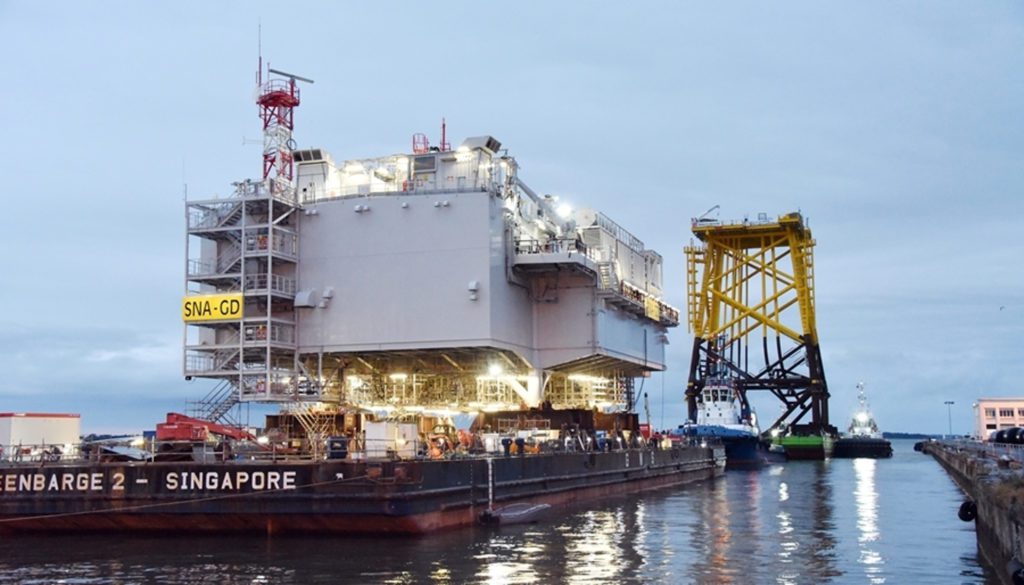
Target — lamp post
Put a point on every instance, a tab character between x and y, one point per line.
949	414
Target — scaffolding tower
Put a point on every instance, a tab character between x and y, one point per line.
750	288
248	249
240	282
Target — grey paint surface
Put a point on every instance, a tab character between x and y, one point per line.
401	270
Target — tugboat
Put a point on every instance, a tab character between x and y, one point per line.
862	439
723	415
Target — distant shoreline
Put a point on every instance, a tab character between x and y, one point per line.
910	436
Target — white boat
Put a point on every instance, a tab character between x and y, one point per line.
863	423
722	415
862	439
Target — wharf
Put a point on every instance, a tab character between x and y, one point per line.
991	477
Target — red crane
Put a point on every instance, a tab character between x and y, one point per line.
179	427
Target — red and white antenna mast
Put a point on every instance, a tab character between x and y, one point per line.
277	100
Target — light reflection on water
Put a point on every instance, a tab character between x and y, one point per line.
594	551
842	521
867	520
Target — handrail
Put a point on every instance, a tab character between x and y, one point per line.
426	447
1011	450
281	242
212	360
279	332
227	259
620	233
386	189
555	246
39	452
277	282
214	217
280	85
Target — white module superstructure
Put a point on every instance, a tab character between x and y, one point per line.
435	280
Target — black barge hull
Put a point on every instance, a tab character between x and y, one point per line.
339	497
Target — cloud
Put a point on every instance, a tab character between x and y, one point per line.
895	131
42	361
152	355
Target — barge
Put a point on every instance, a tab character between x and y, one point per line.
332	496
374	300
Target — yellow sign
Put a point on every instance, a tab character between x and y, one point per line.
212	307
652	308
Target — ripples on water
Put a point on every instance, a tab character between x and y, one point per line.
843	521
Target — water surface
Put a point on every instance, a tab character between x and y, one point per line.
840	521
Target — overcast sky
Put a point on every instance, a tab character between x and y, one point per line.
896	128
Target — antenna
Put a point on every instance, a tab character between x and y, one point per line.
707	213
445	147
277	100
259	50
289	75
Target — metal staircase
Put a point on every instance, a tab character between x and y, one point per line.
226	359
317	423
228	260
608	279
232	215
217	405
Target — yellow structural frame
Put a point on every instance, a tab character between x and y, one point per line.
777	255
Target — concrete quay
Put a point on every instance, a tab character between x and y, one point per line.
992	479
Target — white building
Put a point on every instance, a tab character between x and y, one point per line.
37	429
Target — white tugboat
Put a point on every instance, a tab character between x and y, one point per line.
723	415
863	424
862	439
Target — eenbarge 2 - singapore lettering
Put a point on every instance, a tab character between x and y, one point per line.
174	481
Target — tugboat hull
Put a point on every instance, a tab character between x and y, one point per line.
854	447
744	452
